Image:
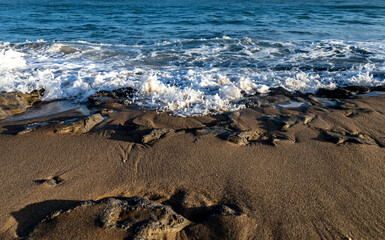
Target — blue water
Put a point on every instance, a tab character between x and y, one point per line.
137	22
189	57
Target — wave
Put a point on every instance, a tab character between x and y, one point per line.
191	76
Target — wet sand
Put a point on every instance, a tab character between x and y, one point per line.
282	173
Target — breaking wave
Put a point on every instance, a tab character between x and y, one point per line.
189	77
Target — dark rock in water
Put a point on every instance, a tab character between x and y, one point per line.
282	91
251	102
81	126
142	218
16	103
378	88
279	91
155	134
275	99
67	49
339	138
127	92
96	98
124	92
357	89
334	93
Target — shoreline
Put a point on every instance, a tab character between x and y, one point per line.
305	172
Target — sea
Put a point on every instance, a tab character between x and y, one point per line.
189	57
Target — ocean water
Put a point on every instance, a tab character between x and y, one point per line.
189	57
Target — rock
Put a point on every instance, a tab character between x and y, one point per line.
284	123
242	138
378	88
110	218
251	102
343	106
67	49
357	89
334	93
155	134
15	103
275	99
224	223
127	92
28	129
52	182
275	138
234	124
339	138
106	111
305	119
97	98
123	92
142	218
359	112
225	210
313	100
81	126
33	127
279	91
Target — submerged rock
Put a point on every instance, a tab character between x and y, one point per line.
155	134
81	126
343	106
142	218
378	88
15	103
334	93
67	49
275	99
358	89
120	93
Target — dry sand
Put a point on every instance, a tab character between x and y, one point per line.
289	180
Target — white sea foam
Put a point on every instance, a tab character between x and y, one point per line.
11	60
188	77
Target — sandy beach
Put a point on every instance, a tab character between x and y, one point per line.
264	172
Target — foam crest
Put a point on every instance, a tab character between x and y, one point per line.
191	76
11	60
